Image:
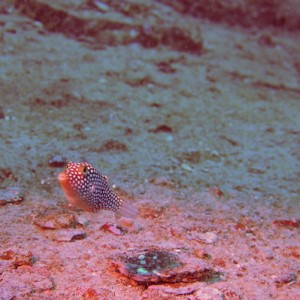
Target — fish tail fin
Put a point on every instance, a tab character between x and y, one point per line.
127	210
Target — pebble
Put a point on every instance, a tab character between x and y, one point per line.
162	128
208	293
101	6
112	228
186	167
208	237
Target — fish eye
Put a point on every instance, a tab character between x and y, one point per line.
85	170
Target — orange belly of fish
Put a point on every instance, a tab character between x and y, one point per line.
71	194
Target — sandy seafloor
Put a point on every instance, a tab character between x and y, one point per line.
206	146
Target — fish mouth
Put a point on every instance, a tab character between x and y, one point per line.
62	177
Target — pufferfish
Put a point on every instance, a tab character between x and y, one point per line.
88	189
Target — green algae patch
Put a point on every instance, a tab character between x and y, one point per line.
152	262
161	266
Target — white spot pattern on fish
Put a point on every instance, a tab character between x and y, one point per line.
88	189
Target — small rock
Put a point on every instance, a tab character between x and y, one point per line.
186	167
162	128
101	6
68	235
11	195
113	228
208	237
57	161
208	293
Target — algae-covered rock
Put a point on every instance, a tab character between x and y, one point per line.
161	266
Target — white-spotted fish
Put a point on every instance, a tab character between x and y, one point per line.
88	189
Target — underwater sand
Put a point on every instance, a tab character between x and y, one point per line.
204	141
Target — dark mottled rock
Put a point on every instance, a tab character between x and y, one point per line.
57	161
162	128
11	195
153	266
